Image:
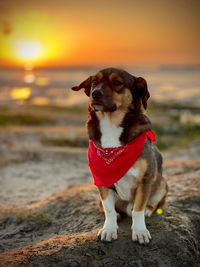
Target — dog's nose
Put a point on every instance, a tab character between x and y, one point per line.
97	94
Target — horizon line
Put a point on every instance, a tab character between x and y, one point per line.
90	66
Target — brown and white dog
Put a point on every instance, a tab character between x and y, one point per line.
115	119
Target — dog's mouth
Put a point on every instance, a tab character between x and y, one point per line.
99	106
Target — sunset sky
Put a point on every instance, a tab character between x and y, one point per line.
71	33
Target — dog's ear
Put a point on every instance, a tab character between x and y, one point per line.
142	90
86	85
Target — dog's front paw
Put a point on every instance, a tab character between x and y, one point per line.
107	234
142	236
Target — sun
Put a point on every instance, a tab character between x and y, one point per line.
28	50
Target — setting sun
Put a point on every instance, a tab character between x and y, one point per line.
49	33
28	50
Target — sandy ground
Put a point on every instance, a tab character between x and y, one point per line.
30	171
62	229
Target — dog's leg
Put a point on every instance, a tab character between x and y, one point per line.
157	199
109	230
139	230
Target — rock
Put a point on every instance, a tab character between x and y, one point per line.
71	237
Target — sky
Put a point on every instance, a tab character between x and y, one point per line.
81	33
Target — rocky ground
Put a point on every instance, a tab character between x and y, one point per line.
49	207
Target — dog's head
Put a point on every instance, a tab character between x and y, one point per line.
111	89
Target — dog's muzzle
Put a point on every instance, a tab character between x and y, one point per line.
100	103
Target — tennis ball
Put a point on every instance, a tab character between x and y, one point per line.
159	211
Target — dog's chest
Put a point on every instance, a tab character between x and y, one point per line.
110	137
125	185
110	133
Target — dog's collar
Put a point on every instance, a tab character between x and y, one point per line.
108	165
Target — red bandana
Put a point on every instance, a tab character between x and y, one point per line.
108	165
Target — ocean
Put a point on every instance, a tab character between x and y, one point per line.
51	86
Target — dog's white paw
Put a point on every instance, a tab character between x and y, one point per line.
142	236
107	234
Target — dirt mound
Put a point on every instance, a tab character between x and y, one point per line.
61	230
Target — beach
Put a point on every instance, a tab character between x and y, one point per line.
48	201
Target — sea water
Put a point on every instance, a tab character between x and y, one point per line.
51	86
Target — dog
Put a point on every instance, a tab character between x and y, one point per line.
125	162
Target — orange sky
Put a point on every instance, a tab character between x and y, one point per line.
65	33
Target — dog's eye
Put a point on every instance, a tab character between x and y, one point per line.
94	82
117	83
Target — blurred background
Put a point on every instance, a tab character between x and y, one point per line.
46	47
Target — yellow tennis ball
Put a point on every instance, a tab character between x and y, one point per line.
159	211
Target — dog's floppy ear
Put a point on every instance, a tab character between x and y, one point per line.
142	90
86	85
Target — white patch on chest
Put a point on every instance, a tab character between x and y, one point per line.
126	183
110	133
110	138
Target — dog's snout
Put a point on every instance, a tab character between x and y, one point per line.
97	94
